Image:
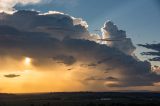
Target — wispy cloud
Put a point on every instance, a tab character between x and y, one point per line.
155	53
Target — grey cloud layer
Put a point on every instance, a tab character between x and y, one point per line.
26	33
155	53
58	25
68	60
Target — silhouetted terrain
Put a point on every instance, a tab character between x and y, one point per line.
82	99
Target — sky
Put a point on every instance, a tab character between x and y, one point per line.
52	45
139	18
141	15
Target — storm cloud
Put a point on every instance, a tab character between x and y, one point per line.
55	36
57	24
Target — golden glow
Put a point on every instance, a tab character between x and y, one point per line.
27	61
38	78
111	83
50	76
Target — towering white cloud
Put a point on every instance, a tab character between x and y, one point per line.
80	21
111	31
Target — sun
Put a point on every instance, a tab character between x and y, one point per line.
27	61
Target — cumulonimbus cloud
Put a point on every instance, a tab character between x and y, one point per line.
121	42
46	36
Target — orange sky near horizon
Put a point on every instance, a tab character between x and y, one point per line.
56	78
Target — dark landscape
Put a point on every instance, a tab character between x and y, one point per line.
82	99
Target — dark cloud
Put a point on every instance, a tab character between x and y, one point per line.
113	85
108	69
151	46
57	24
155	53
67	60
11	76
111	79
88	65
155	59
70	69
104	60
102	79
55	36
92	65
134	72
23	43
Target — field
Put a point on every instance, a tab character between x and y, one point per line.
82	99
